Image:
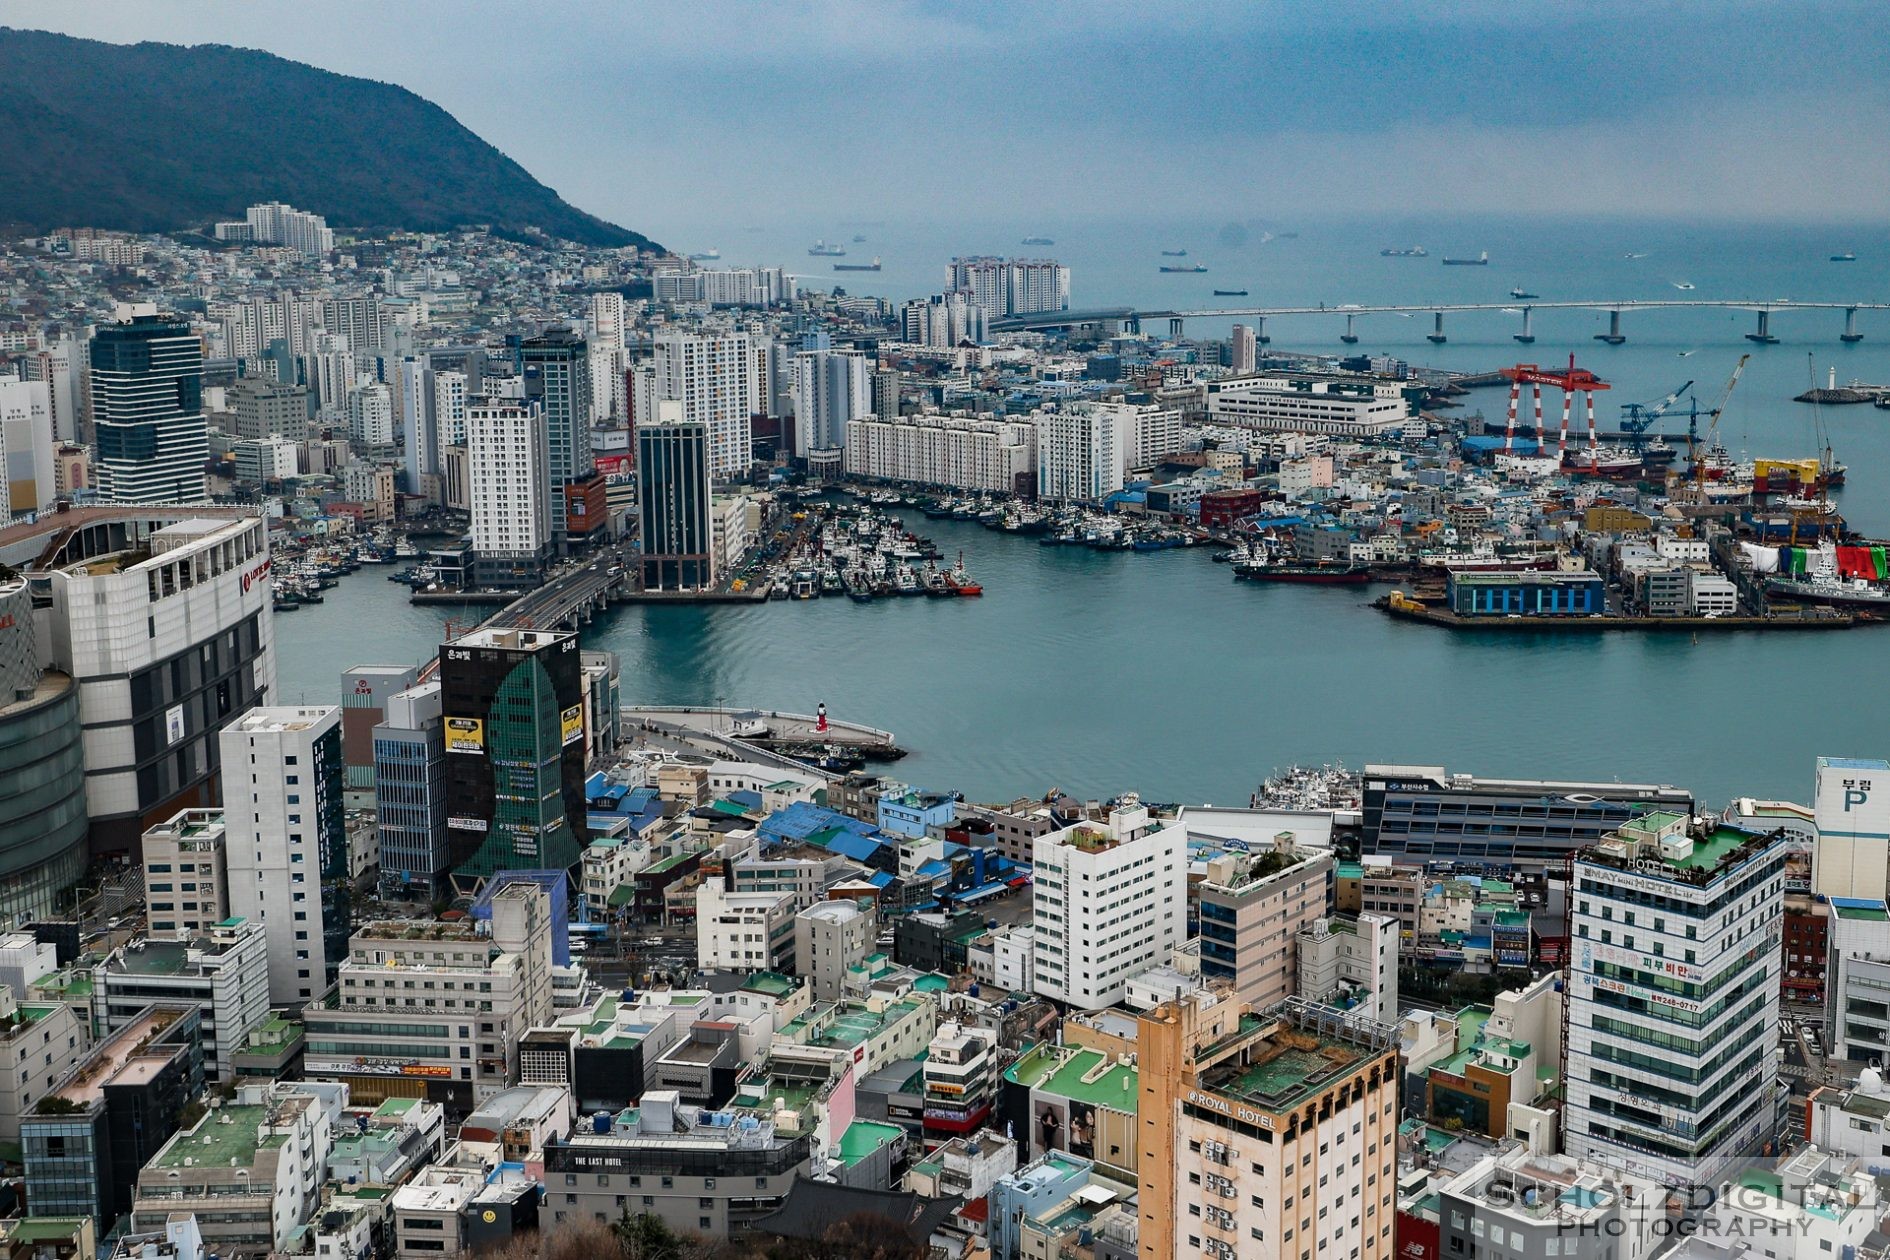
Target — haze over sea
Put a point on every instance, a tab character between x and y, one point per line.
1104	672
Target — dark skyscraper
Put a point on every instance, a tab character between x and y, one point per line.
673	502
558	376
147	408
513	714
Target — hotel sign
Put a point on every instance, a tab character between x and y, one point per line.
1212	1102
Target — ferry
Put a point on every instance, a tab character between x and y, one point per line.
821	249
1481	260
1416	251
1195	270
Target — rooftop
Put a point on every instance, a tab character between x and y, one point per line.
863	1137
1303	1049
1083	1075
228	1133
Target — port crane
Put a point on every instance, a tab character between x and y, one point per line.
1637	418
1712	428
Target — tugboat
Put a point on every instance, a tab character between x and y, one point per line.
960	581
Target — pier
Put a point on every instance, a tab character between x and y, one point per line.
1406	609
1131	318
726	731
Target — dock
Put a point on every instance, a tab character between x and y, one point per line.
712	730
1807	619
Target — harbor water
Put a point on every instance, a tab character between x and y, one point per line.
1097	672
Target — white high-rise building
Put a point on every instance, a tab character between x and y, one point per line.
1852	808
605	339
606	323
713	377
956	452
329	369
419	422
831	389
61	366
508	471
946	320
26	445
371	417
283	836
1032	285
274	223
449	408
983	279
745	286
1082	452
1109	900
1673	997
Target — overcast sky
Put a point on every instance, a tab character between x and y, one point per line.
650	113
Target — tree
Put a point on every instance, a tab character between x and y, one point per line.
646	1237
861	1236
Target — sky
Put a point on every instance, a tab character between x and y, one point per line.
658	114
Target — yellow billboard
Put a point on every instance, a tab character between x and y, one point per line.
465	735
571	725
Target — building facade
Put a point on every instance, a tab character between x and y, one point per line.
512	492
674	471
147	408
1109	901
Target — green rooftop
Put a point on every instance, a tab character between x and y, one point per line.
70	983
863	1137
43	1229
772	983
669	863
222	1135
1874	913
1709	853
396	1106
1077	1075
273	1034
622	895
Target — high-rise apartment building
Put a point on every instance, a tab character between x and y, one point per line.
371	420
60	367
285	845
513	711
328	370
1082	452
605	337
831	389
945	320
1110	900
713	376
1018	286
410	793
273	223
147	408
886	384
1266	1132
959	452
1673	997
419	423
511	489
673	501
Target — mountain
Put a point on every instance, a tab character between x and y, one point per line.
161	137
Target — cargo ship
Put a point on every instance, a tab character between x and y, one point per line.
1846	256
1197	269
1481	260
872	266
1416	251
1174	253
1230	293
1263	568
820	249
1038	240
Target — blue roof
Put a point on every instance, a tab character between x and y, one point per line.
859	848
1276	522
743	797
879	879
933	869
984	890
1496	441
801	819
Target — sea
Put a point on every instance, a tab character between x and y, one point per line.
1099	673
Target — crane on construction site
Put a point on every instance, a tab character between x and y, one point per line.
1637	418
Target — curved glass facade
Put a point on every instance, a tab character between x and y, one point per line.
42	799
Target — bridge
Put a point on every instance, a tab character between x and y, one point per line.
1132	319
568	600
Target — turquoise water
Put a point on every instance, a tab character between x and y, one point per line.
1096	673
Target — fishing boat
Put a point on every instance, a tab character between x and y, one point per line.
960	581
